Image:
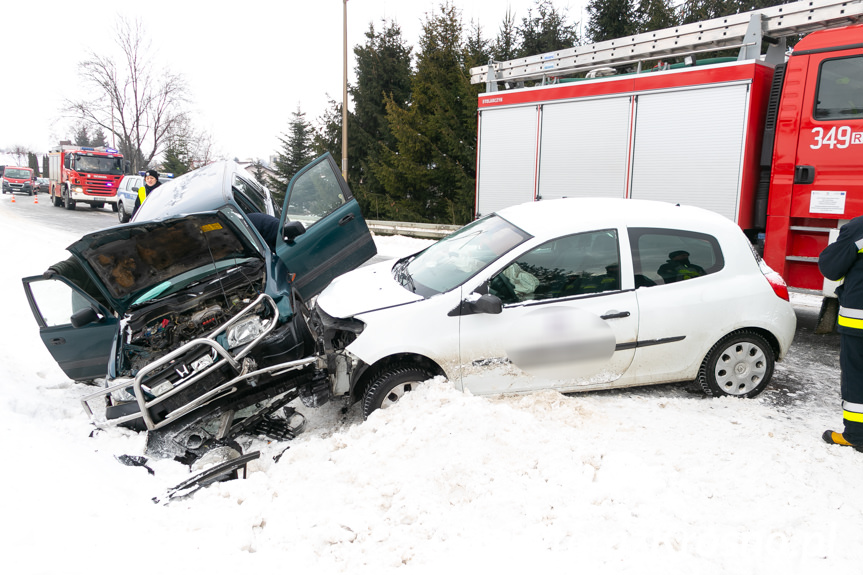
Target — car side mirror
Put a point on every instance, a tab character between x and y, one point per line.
292	230
487	304
84	317
490	304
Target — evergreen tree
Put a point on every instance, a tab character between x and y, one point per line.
98	139
45	166
477	49
655	15
258	170
505	45
609	19
546	31
429	174
296	153
82	137
176	160
33	162
383	71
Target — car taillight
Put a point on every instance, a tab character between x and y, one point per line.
775	280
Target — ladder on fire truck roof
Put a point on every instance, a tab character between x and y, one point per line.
745	31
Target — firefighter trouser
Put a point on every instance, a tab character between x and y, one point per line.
851	363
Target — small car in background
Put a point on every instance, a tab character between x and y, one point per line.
41	185
127	192
570	295
17	179
195	312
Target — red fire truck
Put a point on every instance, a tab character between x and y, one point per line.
81	174
773	142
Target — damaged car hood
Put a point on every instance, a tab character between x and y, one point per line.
136	262
366	289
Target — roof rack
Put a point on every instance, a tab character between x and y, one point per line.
744	31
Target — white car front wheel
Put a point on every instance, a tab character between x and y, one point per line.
391	383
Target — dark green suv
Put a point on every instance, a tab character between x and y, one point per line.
193	314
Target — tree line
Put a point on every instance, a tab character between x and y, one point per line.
413	128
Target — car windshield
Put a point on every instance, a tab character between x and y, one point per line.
99	165
458	257
17	173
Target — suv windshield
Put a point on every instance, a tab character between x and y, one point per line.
17	173
99	165
456	258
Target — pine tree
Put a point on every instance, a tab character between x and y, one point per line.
82	137
429	174
296	153
383	71
505	45
176	160
98	139
33	162
655	15
609	19
545	31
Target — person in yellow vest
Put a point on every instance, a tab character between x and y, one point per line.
151	182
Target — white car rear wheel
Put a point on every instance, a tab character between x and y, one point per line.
740	365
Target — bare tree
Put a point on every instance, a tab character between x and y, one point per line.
139	107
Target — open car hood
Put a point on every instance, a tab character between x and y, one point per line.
136	262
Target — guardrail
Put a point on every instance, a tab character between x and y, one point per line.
410	229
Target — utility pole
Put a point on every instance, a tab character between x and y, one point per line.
345	97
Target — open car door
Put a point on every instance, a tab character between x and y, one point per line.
336	238
82	352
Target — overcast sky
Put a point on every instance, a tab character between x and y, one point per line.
248	64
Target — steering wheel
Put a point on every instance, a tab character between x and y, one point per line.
502	287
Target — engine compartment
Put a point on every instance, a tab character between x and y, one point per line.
155	328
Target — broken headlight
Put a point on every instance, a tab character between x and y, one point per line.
245	331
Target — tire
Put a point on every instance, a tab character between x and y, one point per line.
97	205
56	201
114	207
739	365
68	203
391	383
121	213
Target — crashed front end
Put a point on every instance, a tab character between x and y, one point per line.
208	346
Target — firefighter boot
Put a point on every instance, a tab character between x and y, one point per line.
834	438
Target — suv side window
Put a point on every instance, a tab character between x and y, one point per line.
840	89
314	195
662	256
250	198
569	266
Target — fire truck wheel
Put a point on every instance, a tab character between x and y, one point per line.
97	205
739	365
56	201
114	208
67	201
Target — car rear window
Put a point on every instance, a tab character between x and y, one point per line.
662	256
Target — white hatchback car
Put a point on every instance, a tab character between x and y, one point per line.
573	295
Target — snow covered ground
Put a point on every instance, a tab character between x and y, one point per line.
641	480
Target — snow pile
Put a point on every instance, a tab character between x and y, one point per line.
638	480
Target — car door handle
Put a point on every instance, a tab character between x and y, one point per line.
58	340
615	314
346	219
